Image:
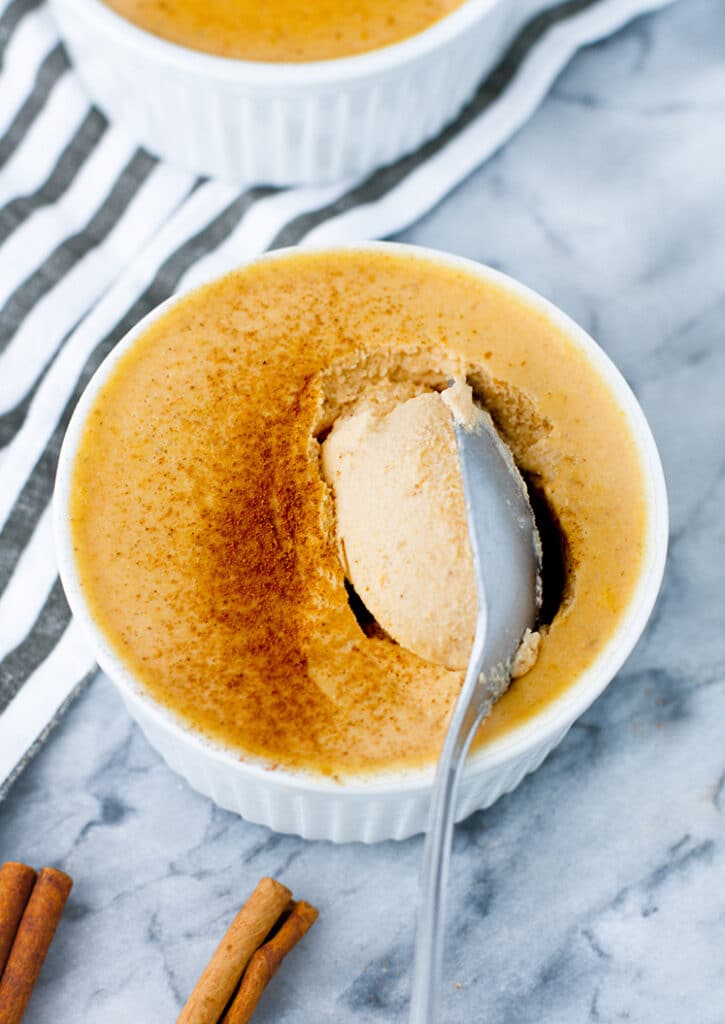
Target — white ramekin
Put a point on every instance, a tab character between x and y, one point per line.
391	806
281	124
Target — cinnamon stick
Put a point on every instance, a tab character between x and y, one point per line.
16	884
265	962
35	932
248	929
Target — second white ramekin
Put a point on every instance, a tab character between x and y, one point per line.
384	806
282	124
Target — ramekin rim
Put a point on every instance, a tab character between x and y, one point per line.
277	74
558	714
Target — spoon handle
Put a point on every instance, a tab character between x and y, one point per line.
474	703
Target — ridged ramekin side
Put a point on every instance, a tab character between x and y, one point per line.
334	814
241	127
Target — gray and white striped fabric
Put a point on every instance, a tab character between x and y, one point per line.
95	232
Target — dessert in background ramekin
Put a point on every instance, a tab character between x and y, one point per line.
281	124
495	320
284	31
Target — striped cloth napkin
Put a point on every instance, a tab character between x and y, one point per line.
95	232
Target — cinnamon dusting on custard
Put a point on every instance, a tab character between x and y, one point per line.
205	534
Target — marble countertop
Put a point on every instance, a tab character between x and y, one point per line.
595	891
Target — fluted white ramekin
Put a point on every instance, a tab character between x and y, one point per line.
391	806
280	124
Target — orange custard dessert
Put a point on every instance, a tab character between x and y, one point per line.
204	530
284	30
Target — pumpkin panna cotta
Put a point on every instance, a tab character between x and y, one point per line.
284	31
203	519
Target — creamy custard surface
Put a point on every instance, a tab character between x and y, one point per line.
204	533
284	30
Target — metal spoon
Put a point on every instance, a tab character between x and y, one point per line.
507	562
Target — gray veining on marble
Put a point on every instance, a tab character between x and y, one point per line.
596	891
